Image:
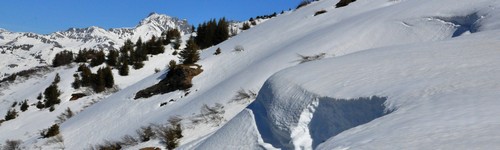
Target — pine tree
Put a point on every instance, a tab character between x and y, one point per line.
140	51
172	64
177	43
98	81
98	59
109	81
124	52
76	82
190	54
222	32
51	96
86	75
11	114
57	79
81	56
24	106
40	105
62	58
123	70
138	65
112	58
39	97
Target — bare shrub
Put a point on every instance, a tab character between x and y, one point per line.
239	48
129	140
170	133
50	132
64	116
109	145
304	58
59	140
213	115
145	133
12	145
244	95
150	148
92	102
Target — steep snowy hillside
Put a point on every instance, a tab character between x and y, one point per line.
425	95
22	51
396	74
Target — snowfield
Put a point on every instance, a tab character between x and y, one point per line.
397	74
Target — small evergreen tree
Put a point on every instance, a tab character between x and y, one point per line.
123	70
222	32
76	82
24	106
190	54
51	96
246	26
109	80
11	114
98	81
177	43
112	58
39	97
81	56
172	64
217	51
138	65
86	75
40	105
57	79
62	58
98	59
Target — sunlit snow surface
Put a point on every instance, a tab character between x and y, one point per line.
435	62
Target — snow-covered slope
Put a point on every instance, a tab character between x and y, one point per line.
440	95
405	71
26	50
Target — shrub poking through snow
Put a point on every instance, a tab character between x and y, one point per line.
12	145
50	132
319	12
145	133
304	58
239	48
213	115
58	139
64	116
304	3
128	140
245	26
217	51
343	3
242	95
170	133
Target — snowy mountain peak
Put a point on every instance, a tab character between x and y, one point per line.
164	22
74	39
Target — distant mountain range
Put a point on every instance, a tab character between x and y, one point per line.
24	49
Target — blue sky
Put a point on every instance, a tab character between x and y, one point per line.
46	16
